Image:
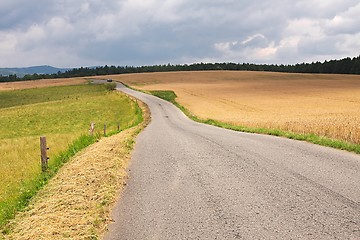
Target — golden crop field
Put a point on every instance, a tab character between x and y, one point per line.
41	83
326	105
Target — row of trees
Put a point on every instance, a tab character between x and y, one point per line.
343	66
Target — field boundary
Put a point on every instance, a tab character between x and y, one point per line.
170	96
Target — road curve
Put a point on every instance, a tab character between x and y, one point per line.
193	181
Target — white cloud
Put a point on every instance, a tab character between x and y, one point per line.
344	22
266	53
251	38
7	45
225	47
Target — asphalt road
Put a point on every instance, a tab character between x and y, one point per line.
194	181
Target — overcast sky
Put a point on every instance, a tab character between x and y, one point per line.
69	33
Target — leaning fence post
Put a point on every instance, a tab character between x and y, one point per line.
44	157
92	127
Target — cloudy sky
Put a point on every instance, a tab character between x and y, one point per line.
69	33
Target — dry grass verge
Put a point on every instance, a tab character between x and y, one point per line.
76	203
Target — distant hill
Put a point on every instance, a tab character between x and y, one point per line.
20	72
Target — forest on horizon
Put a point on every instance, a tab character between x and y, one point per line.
342	66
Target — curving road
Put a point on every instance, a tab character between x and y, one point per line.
193	181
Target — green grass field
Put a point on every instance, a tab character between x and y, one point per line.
63	115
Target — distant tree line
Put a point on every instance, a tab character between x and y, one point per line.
343	66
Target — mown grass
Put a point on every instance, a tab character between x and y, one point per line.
312	138
31	96
166	95
63	115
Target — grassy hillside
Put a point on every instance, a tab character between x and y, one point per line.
63	115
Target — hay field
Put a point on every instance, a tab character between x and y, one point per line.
41	83
326	105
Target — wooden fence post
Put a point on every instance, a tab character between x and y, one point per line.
118	127
44	157
92	127
105	129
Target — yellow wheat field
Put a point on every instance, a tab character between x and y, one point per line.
41	83
327	105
